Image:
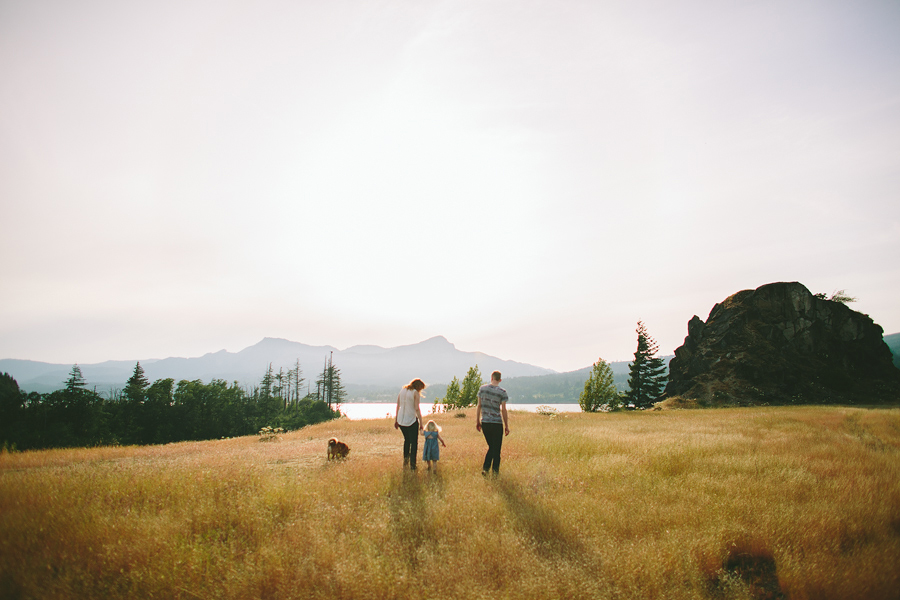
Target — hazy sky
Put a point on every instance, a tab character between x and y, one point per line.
525	178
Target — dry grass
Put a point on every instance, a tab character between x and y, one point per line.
800	503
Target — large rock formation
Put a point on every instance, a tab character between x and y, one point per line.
779	344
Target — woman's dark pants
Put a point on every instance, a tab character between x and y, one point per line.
493	435
410	444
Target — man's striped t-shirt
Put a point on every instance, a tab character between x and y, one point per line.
491	398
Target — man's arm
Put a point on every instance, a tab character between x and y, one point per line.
505	418
478	415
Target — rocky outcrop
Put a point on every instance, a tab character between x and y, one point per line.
779	344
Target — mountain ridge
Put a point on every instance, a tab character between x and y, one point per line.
37	376
433	360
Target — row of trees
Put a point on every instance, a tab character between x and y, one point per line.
163	411
461	395
646	380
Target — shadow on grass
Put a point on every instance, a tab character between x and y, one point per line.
748	566
409	516
434	483
550	537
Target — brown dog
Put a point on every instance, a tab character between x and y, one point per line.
337	449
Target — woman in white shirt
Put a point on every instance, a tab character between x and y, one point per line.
409	420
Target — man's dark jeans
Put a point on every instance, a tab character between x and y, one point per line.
493	435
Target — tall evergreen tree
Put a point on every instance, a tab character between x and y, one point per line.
75	383
329	388
296	375
265	387
80	412
136	386
130	414
647	374
281	387
268	402
599	389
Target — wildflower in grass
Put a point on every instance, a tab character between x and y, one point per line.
269	434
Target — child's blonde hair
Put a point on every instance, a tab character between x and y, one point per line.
432	426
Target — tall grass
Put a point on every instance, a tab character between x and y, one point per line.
800	503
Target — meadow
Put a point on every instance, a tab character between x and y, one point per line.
771	502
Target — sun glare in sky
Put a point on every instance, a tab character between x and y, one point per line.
527	180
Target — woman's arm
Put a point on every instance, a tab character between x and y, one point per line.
397	413
417	396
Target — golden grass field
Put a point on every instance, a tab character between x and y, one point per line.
800	503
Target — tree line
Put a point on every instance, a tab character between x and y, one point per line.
646	381
163	411
460	395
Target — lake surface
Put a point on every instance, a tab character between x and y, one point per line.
356	411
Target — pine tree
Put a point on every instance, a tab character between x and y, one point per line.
647	374
131	419
294	381
82	411
268	402
266	385
279	390
136	388
75	383
329	388
600	391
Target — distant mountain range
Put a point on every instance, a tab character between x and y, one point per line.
370	373
435	360
553	388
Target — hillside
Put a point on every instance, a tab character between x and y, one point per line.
554	388
560	388
893	342
369	373
434	360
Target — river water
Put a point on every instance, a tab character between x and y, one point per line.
356	411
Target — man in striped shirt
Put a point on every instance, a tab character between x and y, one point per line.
491	419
